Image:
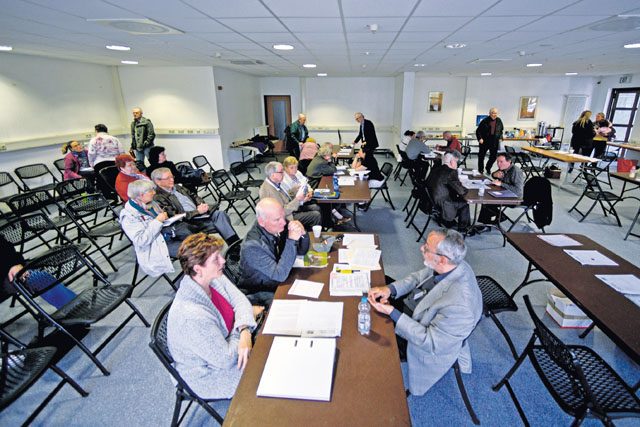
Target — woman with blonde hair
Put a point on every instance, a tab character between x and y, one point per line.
210	321
604	132
582	133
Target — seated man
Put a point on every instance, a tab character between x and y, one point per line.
452	143
322	163
447	191
175	199
435	333
293	203
417	146
129	172
268	253
509	177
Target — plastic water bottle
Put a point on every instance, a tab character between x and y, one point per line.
364	317
336	187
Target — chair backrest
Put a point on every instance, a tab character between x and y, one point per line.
35	170
17	231
509	149
59	165
303	165
6	178
31	201
592	181
108	175
71	188
201	161
559	353
89	204
386	169
232	264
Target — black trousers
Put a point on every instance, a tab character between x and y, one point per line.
599	148
294	149
490	144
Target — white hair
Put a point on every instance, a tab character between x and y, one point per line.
138	188
451	246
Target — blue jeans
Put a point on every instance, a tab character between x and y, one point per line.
141	154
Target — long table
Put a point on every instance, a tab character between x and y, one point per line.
635	182
617	316
624	147
367	386
561	157
354	194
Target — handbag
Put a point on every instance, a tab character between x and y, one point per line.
625	165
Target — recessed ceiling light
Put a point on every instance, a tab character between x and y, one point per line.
455	45
485	74
367	53
570	74
282	47
309	65
364	65
534	65
419	65
322	74
632	46
129	62
116	47
6	48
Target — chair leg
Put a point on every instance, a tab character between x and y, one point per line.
137	312
71	381
516	365
504	334
586	331
463	392
176	409
635	219
389	198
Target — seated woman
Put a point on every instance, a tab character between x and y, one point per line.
142	221
76	162
158	159
210	321
363	161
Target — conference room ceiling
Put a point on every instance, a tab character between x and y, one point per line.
501	36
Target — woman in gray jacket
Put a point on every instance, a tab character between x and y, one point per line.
210	321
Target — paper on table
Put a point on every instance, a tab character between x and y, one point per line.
304	318
360	257
473	183
354	283
559	240
173	219
590	257
634	299
342	167
623	283
299	368
359	240
346	181
306	288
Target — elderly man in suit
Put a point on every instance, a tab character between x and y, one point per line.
447	192
448	305
367	134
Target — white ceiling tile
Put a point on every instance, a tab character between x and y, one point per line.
271	37
518	8
421	36
502	23
317	9
222	37
588	7
452	8
376	8
196	25
370	38
559	24
320	37
315	25
359	25
435	24
255	25
227	9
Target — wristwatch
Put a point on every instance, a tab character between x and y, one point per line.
242	328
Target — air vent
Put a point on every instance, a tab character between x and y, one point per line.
246	62
489	60
137	26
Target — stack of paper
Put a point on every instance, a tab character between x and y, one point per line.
304	318
345	282
475	183
559	240
306	288
347	181
590	257
626	284
299	368
360	257
360	240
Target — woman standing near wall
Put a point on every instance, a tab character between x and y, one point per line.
582	133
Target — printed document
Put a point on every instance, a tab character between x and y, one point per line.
627	284
345	282
173	219
559	240
590	257
304	318
359	240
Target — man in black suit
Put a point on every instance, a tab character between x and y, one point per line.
489	134
367	134
447	193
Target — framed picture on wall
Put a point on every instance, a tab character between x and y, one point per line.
435	102
528	107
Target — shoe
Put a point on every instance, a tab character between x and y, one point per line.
362	206
344	220
482	229
469	233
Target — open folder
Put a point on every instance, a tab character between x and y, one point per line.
304	318
299	368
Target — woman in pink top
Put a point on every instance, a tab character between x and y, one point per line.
309	149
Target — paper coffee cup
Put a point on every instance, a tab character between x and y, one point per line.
317	230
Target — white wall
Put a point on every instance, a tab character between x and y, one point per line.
452	103
239	109
176	97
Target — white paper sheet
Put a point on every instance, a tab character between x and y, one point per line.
634	299
623	283
360	240
173	219
346	181
473	183
306	288
304	318
590	257
559	240
299	368
360	257
355	283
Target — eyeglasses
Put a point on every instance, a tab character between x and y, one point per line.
165	178
281	172
424	249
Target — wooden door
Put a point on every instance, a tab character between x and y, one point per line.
278	114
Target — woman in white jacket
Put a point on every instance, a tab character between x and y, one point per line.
142	221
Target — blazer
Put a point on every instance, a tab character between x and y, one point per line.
205	353
368	133
436	333
446	190
289	203
170	203
146	235
320	167
513	180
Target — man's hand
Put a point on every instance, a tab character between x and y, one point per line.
497	182
381	293
480	141
296	230
244	348
13	271
498	174
162	216
203	208
381	307
300	196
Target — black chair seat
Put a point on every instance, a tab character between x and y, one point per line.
91	305
608	389
46	187
112	228
61	221
252	183
494	297
604	195
237	195
23	368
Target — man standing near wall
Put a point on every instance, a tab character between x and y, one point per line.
298	134
489	134
367	134
142	135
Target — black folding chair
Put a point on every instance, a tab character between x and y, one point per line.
232	264
594	192
232	196
7	179
405	163
59	165
107	182
195	186
65	265
160	347
220	175
528	167
386	170
496	300
27	174
423	202
21	367
465	151
579	380
238	168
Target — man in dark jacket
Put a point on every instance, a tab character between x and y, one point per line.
174	199
298	134
142	135
447	193
322	163
509	177
367	134
489	134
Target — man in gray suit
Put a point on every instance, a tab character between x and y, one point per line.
442	319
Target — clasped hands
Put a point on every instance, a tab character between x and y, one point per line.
296	230
379	299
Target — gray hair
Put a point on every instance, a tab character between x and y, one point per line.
138	188
420	134
271	168
448	157
157	173
451	246
325	150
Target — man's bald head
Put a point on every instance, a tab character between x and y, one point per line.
270	215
